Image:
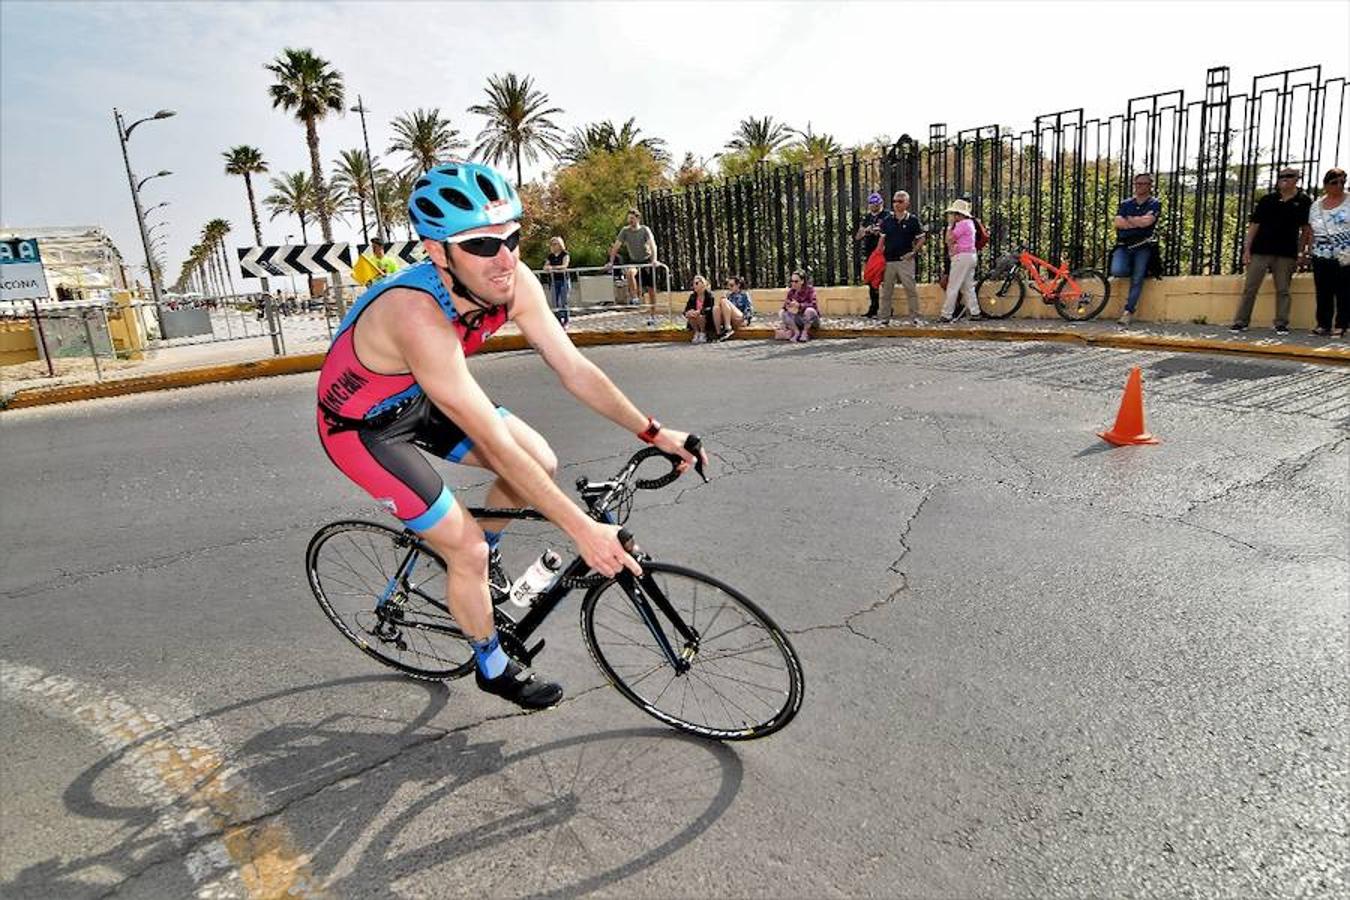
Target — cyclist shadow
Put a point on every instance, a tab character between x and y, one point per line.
455	796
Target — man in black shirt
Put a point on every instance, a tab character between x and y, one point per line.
868	235
903	237
1278	237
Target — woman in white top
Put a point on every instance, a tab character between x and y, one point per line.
1329	219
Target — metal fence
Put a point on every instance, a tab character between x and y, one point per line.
1054	186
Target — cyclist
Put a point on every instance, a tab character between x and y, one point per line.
395	382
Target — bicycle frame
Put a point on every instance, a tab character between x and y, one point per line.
1059	283
642	593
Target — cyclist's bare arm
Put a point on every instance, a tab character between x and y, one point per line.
433	353
582	378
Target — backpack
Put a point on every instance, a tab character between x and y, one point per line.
981	235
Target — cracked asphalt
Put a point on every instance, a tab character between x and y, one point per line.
1036	665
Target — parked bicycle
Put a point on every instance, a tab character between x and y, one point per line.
686	648
1076	295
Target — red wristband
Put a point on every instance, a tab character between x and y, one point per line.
649	435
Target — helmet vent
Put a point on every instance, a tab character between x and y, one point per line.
428	208
421	183
487	187
456	198
449	171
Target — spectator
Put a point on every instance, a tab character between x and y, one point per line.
556	265
1329	220
735	310
1277	239
903	237
800	311
386	265
1136	218
698	310
639	243
961	250
869	235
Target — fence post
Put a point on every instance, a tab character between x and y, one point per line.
89	336
42	340
273	327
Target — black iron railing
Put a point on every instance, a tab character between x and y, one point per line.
1054	186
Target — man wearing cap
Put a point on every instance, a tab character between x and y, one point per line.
903	237
868	235
1278	237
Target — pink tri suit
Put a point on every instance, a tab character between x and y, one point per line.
374	427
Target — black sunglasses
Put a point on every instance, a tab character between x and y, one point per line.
488	245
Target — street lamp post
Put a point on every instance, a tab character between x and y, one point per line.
294	295
123	134
360	107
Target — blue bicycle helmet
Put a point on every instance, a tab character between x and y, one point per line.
459	196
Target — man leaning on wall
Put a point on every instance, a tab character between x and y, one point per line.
1135	222
1278	237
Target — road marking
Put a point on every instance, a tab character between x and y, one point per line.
196	792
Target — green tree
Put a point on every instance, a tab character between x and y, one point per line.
309	87
603	137
811	149
519	122
759	138
292	195
587	200
247	161
354	186
426	138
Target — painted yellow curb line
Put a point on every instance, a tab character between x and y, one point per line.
310	362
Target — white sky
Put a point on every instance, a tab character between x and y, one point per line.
688	73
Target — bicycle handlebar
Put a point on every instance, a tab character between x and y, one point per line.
621	482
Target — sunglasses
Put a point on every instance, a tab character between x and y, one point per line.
1288	176
486	245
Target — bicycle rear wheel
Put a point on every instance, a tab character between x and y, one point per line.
1000	295
743	679
1088	300
355	565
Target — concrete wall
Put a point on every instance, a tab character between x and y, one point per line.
18	344
1183	299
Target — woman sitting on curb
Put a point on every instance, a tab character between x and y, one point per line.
961	249
800	312
735	310
698	310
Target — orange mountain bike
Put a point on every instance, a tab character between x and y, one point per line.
1077	296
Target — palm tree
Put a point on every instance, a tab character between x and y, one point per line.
518	122
603	137
759	138
292	195
214	234
247	161
310	87
353	184
426	138
814	148
392	193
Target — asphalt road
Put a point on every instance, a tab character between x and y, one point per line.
1036	666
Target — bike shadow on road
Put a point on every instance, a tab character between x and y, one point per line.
367	800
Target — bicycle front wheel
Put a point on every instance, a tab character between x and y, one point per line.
1000	295
739	677
1083	296
385	591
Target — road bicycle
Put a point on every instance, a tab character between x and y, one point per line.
1076	295
686	648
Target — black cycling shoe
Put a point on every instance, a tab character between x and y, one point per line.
498	584
521	686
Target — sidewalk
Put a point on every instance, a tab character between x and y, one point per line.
28	384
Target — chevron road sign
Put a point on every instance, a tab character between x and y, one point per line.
408	252
295	259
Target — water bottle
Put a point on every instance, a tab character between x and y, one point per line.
538	576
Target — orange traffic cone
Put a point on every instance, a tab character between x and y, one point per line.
1129	427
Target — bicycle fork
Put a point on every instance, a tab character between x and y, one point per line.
639	591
